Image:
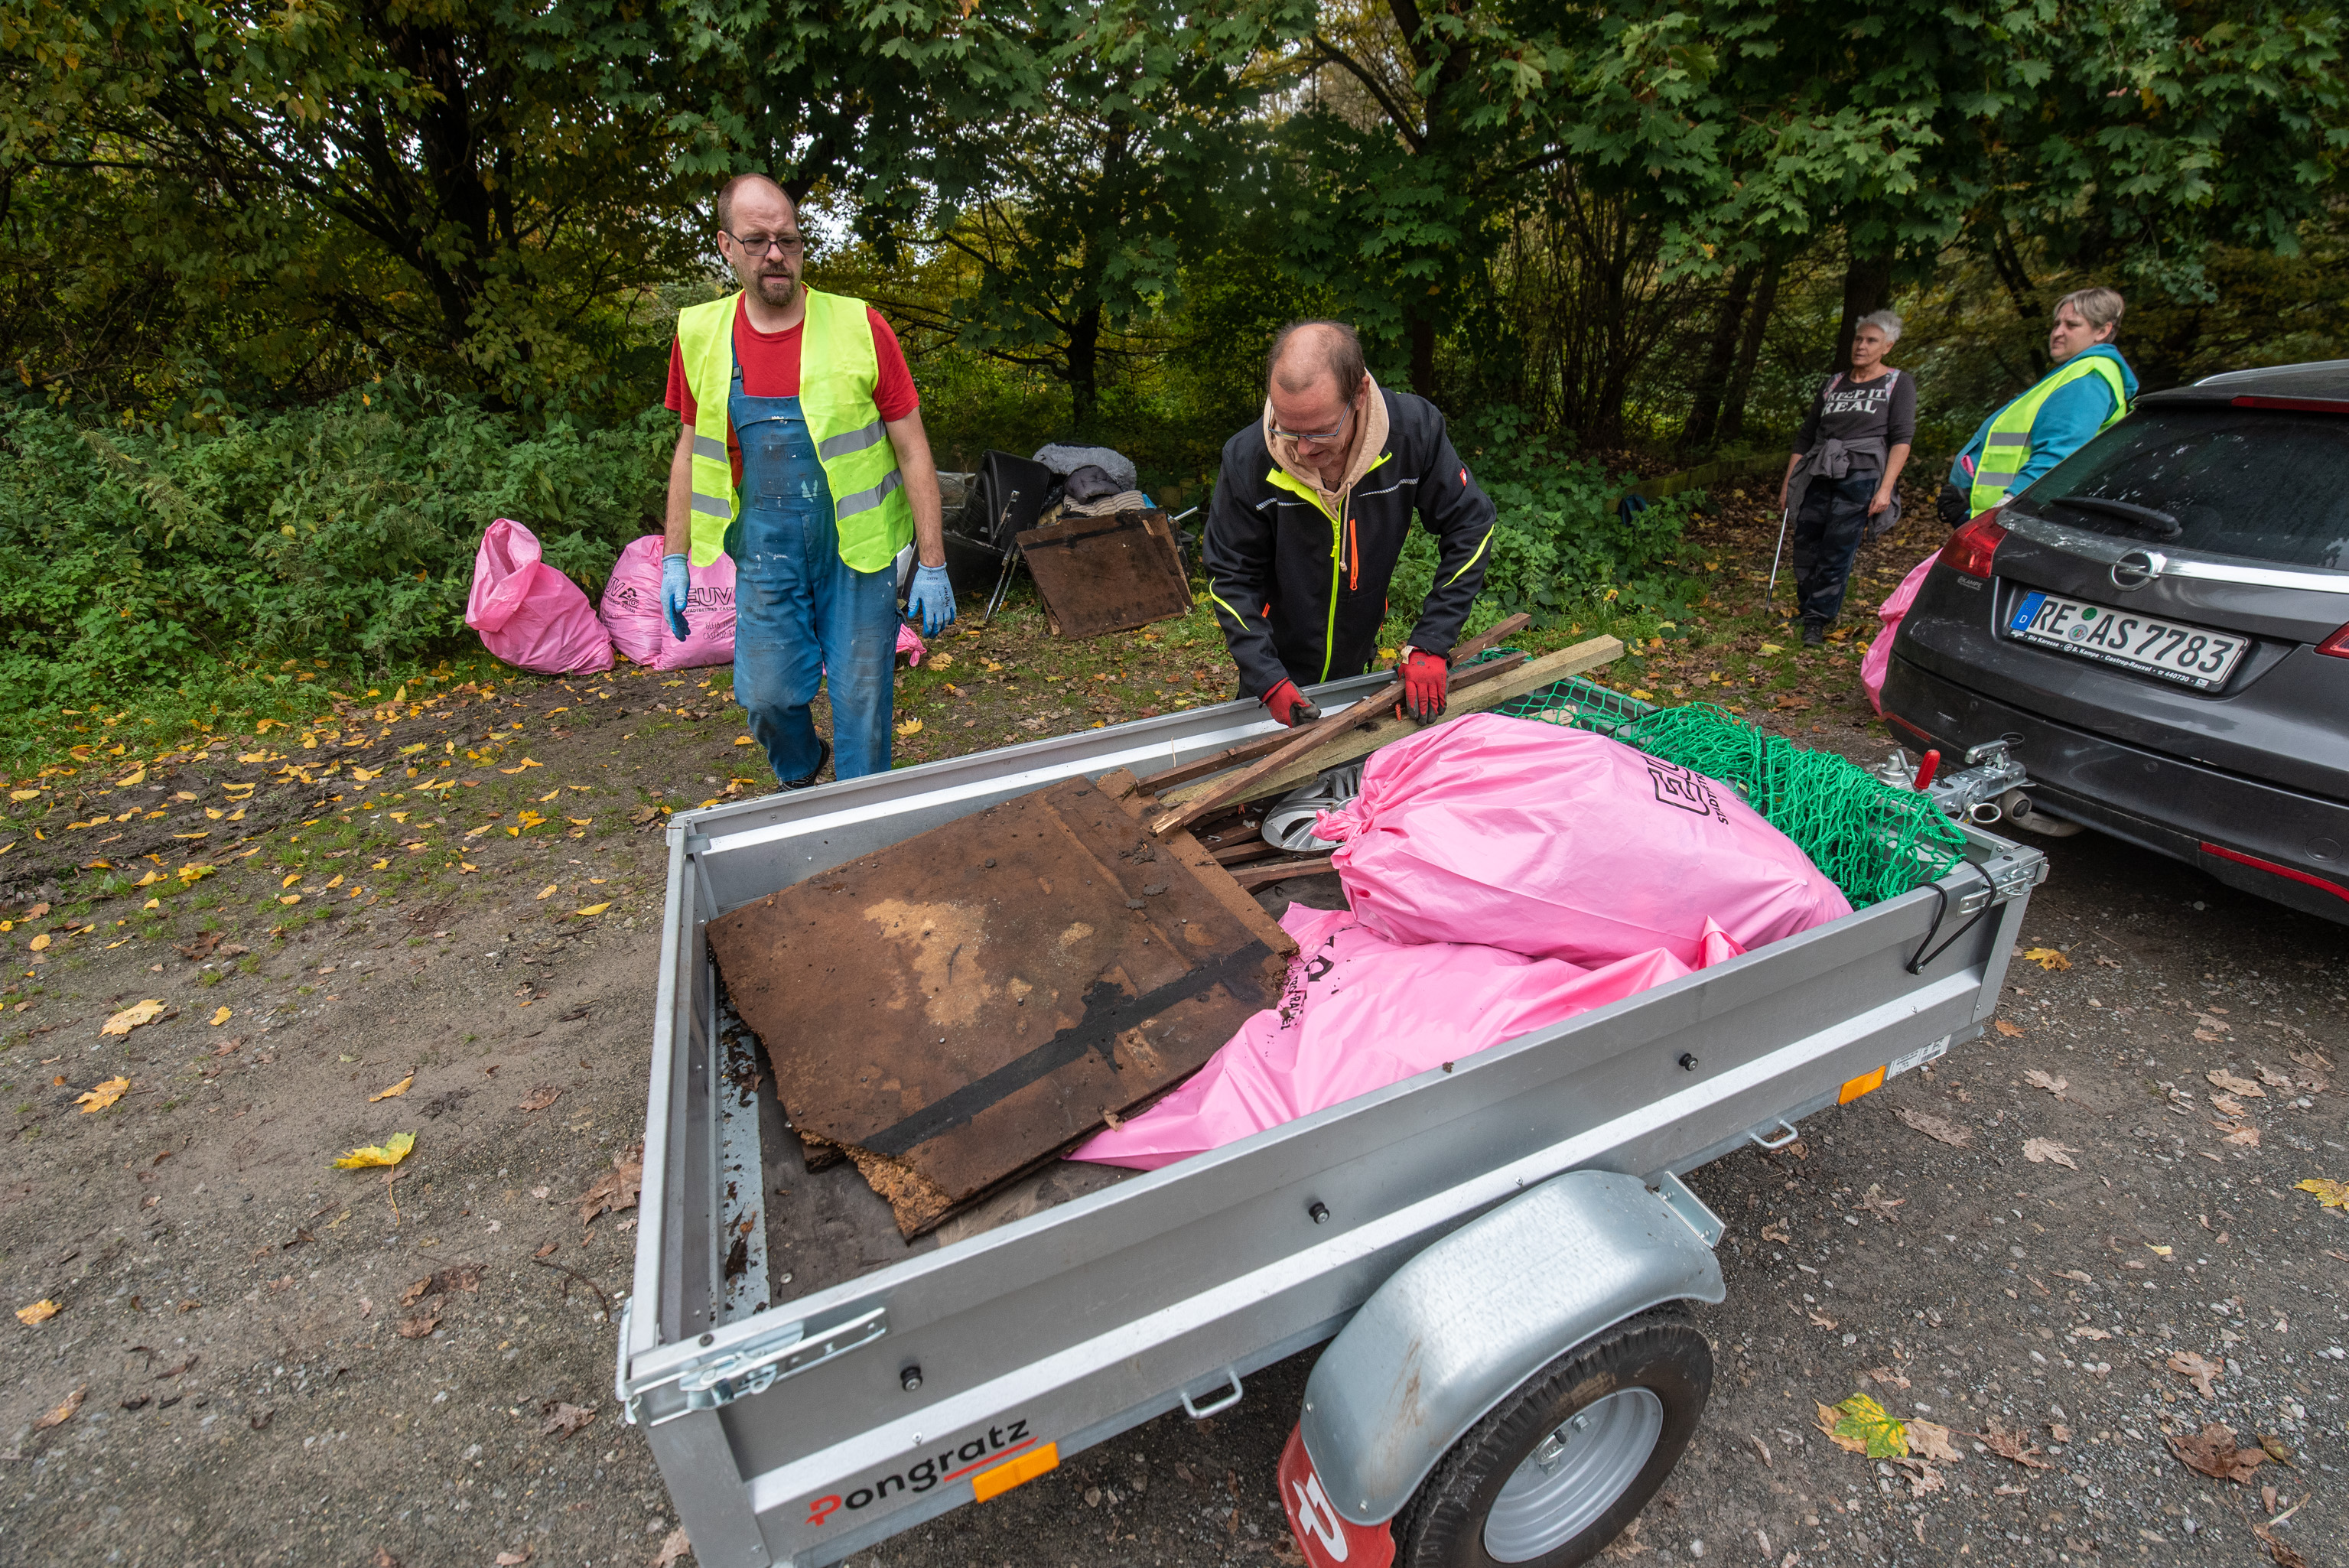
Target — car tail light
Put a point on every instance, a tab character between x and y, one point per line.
2337	644
1972	548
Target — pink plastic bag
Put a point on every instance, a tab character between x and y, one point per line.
1559	843
1877	660
528	613
910	645
631	611
1360	1013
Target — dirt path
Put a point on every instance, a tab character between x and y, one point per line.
269	1360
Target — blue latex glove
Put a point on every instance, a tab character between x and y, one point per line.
932	598
675	583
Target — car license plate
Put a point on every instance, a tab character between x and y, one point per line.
2190	656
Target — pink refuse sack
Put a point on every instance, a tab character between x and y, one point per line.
528	613
1556	843
1359	1013
631	611
1892	611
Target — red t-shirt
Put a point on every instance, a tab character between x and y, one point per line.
771	369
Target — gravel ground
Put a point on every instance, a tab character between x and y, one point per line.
264	1360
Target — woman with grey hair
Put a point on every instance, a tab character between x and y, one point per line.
1842	480
2090	387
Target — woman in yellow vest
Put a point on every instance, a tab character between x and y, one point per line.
2090	387
803	458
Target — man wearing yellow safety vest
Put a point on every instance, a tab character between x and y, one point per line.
803	458
2090	387
1311	513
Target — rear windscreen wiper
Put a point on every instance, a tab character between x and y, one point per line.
2127	511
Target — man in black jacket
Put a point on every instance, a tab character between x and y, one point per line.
1310	516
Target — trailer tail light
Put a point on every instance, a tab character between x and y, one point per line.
2337	644
1973	547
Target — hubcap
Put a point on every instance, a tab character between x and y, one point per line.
1573	1476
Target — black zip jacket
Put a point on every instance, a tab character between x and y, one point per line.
1299	594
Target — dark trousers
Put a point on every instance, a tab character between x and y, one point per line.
1827	537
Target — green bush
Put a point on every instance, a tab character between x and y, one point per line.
1561	551
345	532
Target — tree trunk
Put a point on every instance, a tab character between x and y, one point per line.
1423	355
1867	286
1084	367
1721	355
1749	350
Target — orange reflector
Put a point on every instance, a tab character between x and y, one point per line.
994	1482
1860	1085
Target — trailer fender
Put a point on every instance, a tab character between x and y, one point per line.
1454	1330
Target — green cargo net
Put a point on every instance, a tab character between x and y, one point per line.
1871	839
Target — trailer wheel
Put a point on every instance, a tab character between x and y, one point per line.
1566	1461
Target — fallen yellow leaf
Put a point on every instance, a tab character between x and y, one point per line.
390	1152
550	795
1862	1426
378	865
2048	959
549	891
2330	1194
593	909
195	874
742	740
2158	1252
580	821
395	1091
23	794
526	762
131	1017
223	1016
290	898
39	1312
1772	648
41	944
149	879
101	1097
911	727
291	878
337	882
136	776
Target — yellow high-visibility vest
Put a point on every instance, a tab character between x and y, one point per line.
839	371
2007	446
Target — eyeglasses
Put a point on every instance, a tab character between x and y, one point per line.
1317	436
760	246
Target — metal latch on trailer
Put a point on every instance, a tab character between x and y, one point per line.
751	1367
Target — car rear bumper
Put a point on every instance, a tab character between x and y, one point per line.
2278	843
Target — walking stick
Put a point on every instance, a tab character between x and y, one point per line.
1771	598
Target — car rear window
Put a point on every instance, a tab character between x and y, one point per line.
2270	484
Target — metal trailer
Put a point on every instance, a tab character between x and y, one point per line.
1483	1236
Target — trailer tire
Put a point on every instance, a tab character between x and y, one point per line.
1638	1389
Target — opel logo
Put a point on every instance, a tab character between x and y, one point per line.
2137	568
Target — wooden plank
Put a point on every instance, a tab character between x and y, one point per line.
1531	676
1252	877
1313	736
1103	574
958	1006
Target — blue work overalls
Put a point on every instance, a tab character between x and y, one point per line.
801	614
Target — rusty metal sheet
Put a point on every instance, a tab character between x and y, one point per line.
1100	574
967	1003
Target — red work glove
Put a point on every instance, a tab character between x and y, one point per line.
1424	678
1286	703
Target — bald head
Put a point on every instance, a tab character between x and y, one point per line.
759	188
1315	356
